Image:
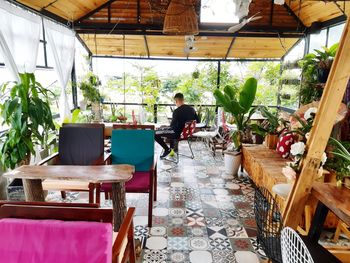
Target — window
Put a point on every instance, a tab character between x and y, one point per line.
297	52
334	34
222	11
317	41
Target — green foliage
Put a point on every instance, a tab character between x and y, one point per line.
27	112
238	105
89	87
272	125
340	161
312	65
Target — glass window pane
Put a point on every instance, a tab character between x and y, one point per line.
41	57
1	59
317	41
335	34
297	52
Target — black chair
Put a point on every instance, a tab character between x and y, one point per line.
269	224
79	144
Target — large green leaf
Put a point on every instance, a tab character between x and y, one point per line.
230	91
247	94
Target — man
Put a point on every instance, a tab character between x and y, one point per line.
181	115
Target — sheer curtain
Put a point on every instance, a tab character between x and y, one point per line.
19	38
62	44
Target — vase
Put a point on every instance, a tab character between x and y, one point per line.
271	141
232	162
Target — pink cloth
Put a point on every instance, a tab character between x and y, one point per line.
139	182
54	241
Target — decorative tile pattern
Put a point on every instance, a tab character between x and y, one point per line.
201	215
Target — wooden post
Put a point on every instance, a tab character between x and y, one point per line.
33	190
320	132
119	204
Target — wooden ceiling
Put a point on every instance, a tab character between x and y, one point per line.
173	46
103	23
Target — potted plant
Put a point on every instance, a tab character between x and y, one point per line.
89	87
239	106
315	70
340	161
270	128
27	113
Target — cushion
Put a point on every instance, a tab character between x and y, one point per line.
139	182
284	143
55	241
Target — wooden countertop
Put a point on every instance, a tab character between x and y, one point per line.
337	199
92	174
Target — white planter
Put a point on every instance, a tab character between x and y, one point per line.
232	162
82	104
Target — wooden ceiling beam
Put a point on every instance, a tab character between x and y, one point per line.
271	12
94	11
301	25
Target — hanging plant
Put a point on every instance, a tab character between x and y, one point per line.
89	87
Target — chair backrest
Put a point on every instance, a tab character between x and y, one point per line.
38	239
269	223
188	130
80	144
135	147
293	247
132	127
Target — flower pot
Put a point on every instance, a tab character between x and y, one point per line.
322	74
271	141
82	104
232	162
347	182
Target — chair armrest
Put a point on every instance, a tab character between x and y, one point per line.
87	205
54	158
103	159
126	231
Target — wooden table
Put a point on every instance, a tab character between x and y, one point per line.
32	176
330	197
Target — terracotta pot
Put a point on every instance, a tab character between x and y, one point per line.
271	141
347	182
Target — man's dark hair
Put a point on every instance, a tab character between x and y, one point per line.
179	96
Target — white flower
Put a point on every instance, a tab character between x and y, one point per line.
310	113
324	158
297	148
307	135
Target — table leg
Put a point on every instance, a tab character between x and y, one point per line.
317	222
33	190
119	204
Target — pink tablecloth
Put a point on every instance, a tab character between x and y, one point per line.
54	241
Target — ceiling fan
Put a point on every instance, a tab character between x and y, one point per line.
245	21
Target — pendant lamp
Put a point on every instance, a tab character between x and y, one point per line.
181	18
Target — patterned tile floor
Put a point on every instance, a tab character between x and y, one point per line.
201	215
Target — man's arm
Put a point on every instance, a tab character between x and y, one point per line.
175	119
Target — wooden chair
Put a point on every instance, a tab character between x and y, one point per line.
79	144
48	218
134	144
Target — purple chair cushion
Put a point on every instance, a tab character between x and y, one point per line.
139	182
54	241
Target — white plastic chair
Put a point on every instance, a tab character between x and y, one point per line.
293	247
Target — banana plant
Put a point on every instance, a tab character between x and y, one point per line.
239	106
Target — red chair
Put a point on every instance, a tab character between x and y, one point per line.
186	134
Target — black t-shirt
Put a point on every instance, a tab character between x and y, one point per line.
181	115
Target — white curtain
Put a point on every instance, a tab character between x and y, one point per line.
19	38
62	44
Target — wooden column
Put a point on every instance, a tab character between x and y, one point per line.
119	204
323	124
